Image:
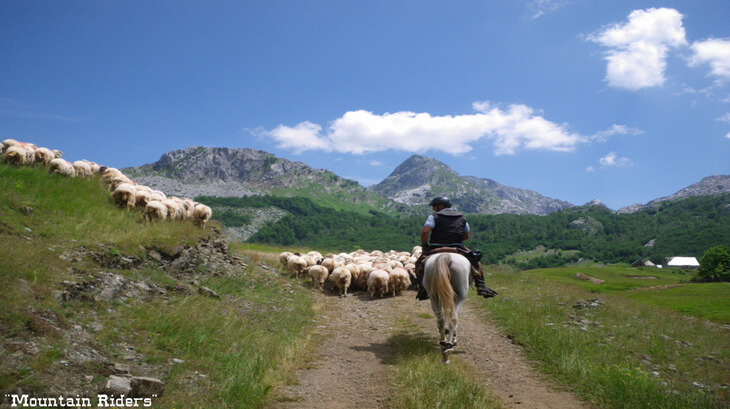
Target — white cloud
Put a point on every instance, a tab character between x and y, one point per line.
715	52
614	160
590	169
541	7
724	118
616	130
360	132
375	163
727	136
638	54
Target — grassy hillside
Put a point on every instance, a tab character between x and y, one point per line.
89	288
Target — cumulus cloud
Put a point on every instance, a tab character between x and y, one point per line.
613	160
638	48
360	132
725	118
616	130
716	53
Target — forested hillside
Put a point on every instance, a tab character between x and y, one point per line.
687	227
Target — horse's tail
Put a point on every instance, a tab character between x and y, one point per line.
442	284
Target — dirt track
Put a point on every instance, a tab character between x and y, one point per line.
359	354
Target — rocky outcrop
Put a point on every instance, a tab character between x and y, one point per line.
198	170
417	180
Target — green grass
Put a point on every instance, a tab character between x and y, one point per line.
710	301
617	278
623	353
235	349
419	380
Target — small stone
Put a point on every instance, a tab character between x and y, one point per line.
144	387
119	385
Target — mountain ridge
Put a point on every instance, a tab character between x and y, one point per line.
236	172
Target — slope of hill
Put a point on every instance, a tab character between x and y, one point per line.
708	186
418	179
92	294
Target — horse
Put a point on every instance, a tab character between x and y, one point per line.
446	279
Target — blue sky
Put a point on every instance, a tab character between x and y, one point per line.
621	101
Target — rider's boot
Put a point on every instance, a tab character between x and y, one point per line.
422	293
482	288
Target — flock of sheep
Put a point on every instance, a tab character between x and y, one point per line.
154	204
374	271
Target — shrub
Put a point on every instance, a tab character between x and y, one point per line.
715	264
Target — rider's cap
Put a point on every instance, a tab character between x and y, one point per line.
440	200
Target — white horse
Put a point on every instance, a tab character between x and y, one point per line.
446	279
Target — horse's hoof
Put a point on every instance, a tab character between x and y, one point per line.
446	348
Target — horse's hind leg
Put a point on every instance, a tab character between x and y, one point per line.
439	318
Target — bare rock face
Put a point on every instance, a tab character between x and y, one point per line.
417	180
198	170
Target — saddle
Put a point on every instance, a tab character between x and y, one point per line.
472	256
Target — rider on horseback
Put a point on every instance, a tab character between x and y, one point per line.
448	228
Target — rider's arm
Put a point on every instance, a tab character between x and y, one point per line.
425	232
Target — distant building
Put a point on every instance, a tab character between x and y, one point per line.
639	263
683	262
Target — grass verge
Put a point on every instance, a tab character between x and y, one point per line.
610	349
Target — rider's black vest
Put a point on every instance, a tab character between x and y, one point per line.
450	227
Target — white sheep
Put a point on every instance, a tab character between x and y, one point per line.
296	265
319	275
62	167
125	195
155	211
82	169
174	211
16	155
342	278
399	280
378	281
284	256
44	156
201	214
329	263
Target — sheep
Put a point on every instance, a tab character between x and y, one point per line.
296	265
378	281
329	263
8	143
125	195
319	275
62	167
82	168
118	180
155	211
44	156
201	214
354	270
141	198
362	280
174	211
284	256
399	280
342	278
16	155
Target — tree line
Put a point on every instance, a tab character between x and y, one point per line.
686	227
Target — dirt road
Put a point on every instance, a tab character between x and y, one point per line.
355	349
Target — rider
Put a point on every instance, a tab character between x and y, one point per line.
448	228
